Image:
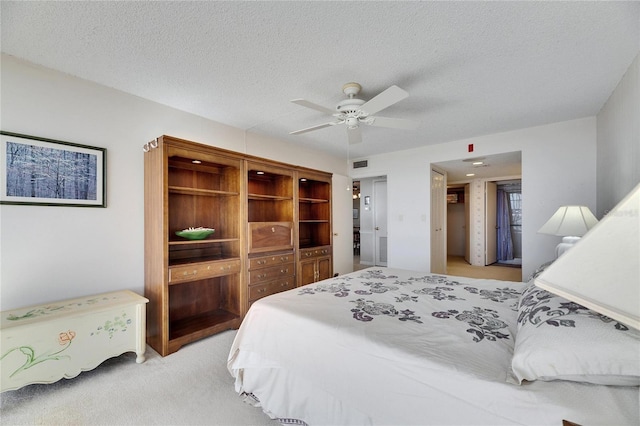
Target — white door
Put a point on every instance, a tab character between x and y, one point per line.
467	223
380	221
342	224
491	223
438	225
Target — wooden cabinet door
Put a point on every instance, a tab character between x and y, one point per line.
307	272
324	268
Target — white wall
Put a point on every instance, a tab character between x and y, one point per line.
618	168
558	167
53	253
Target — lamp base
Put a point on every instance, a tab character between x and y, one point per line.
566	244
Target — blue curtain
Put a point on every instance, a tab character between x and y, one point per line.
505	243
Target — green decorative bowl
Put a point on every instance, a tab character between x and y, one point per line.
195	233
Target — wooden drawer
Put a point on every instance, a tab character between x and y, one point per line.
271	272
315	252
261	290
198	271
276	259
270	236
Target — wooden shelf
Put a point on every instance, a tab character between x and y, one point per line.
205	241
268	197
182	262
201	323
202	192
313	200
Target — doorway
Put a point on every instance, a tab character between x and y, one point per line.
472	242
484	230
369	222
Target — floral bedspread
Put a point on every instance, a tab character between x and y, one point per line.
478	304
390	346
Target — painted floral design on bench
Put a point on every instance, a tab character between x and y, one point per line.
52	309
119	323
64	339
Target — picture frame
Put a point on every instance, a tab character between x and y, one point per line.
49	172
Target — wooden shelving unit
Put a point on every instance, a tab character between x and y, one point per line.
272	226
194	286
270	213
314	227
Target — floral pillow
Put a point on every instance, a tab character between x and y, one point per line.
561	340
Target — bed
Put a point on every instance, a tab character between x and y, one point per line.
385	346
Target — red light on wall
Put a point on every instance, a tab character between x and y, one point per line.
470	147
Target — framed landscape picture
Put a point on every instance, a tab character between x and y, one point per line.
49	172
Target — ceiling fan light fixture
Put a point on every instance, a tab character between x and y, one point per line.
353	111
352	122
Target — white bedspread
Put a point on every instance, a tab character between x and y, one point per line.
393	347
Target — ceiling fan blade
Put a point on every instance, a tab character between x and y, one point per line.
394	123
311	105
385	99
312	128
355	135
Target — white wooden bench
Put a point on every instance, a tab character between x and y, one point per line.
42	344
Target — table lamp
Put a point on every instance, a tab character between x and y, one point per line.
602	271
570	223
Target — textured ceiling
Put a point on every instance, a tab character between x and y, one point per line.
471	68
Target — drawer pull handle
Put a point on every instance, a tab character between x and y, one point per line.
261	262
261	290
262	275
273	229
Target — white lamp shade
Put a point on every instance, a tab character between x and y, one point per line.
602	270
567	221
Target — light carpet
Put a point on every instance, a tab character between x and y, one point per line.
189	387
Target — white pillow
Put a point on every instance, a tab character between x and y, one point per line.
560	340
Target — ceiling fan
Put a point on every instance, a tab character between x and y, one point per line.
353	111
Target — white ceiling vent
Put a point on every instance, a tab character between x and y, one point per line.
360	164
